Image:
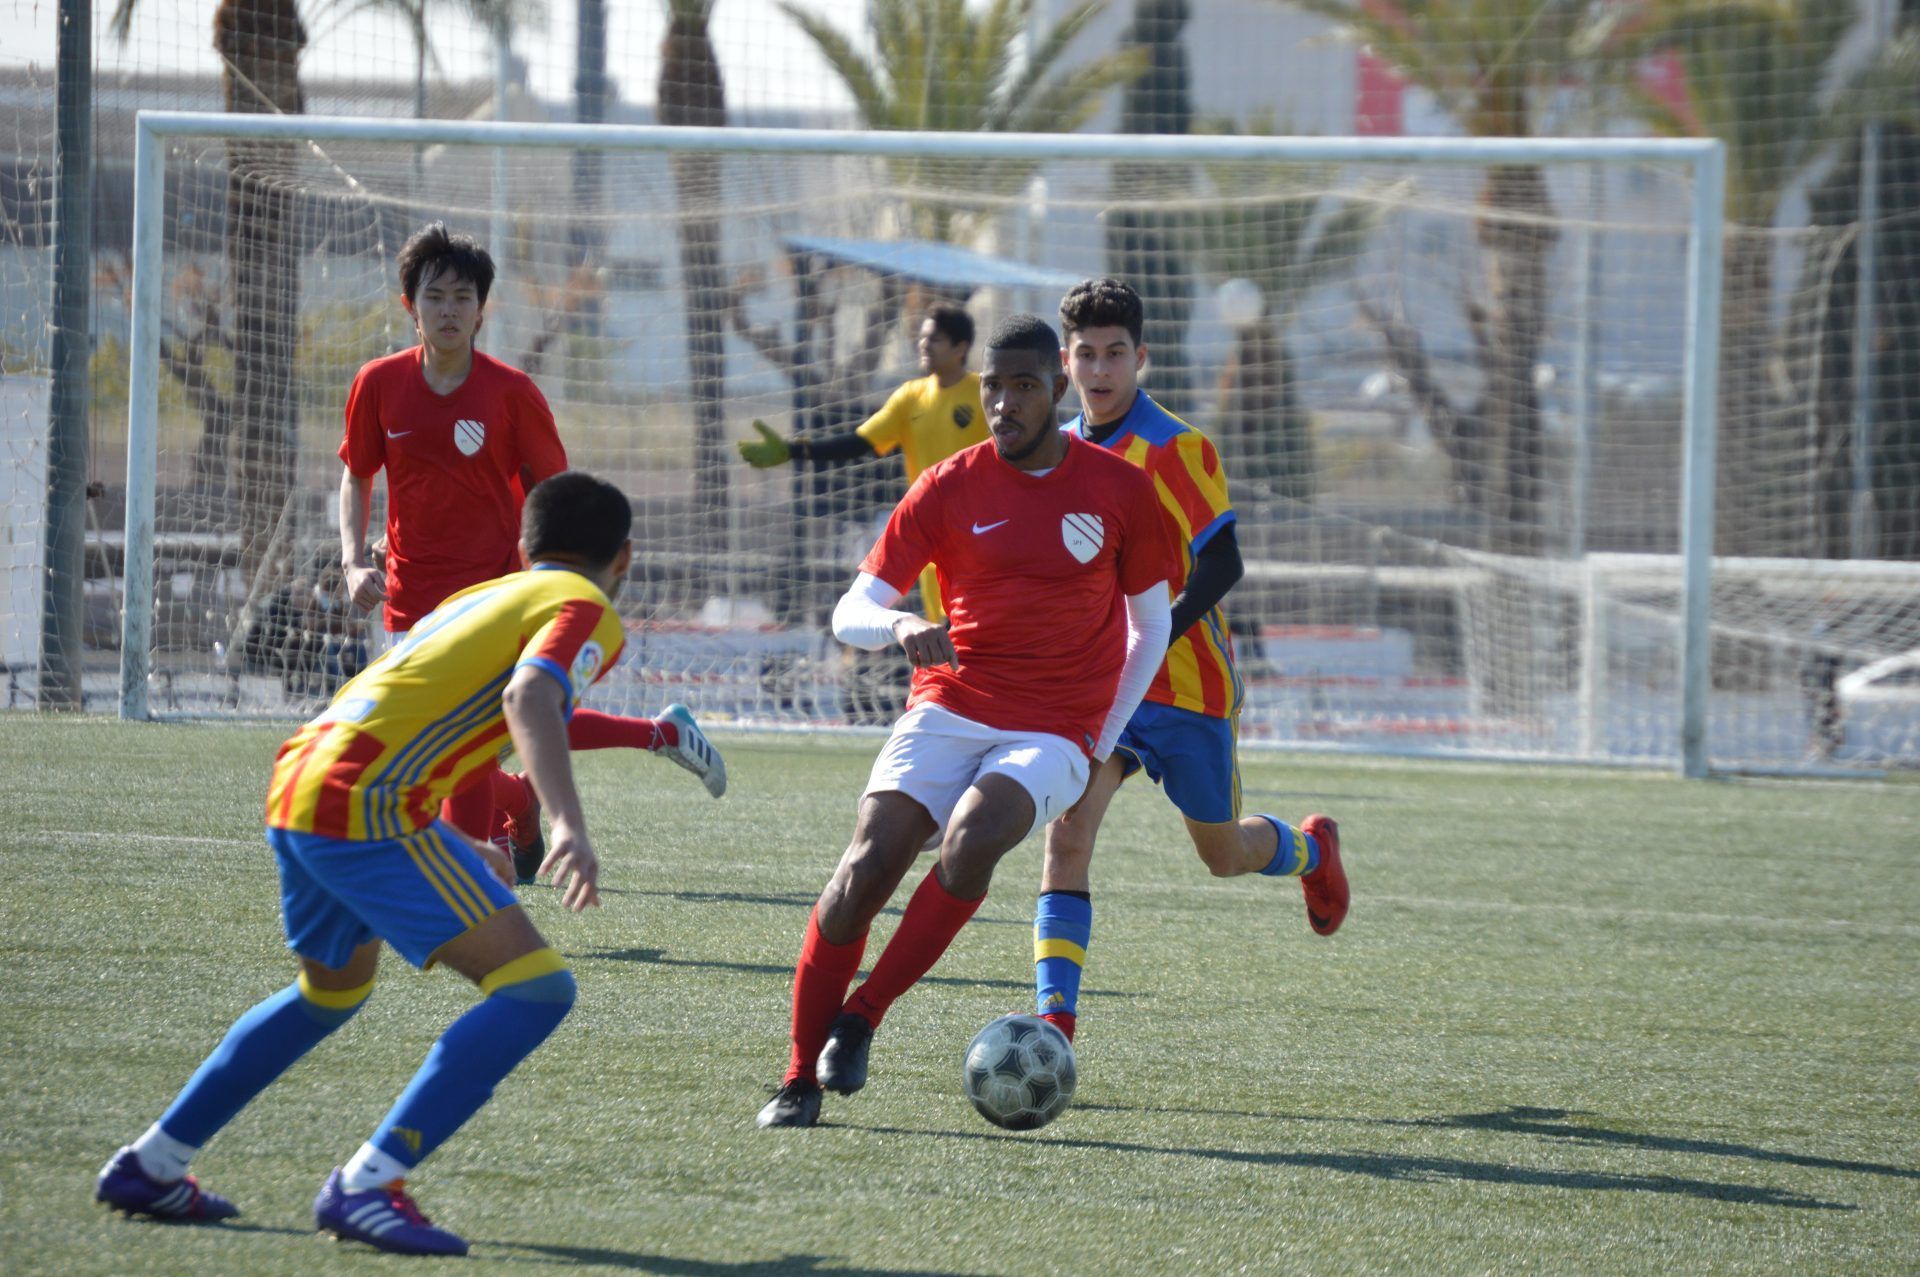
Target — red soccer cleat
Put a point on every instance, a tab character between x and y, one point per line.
1326	887
1061	1020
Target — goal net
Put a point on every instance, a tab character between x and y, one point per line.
1449	388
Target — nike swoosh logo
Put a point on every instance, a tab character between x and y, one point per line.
398	434
978	528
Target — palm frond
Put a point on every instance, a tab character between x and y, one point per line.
869	98
121	24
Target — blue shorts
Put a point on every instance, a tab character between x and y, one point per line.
1192	756
416	892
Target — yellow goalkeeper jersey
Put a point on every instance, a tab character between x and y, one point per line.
928	425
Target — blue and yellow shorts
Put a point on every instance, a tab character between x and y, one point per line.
1192	756
416	892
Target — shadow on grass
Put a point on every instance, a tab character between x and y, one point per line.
785	900
1314	800
275	1230
607	1258
1390	1166
659	958
1551	1124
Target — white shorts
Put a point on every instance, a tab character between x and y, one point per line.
934	756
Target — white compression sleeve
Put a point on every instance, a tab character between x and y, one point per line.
1149	627
864	616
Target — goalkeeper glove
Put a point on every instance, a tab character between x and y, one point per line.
767	451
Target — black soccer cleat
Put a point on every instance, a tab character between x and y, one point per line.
525	844
843	1060
796	1103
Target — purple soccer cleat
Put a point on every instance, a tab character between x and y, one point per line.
125	1186
385	1218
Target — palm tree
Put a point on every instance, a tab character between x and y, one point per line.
691	92
1489	63
1821	339
1760	76
942	65
259	43
1142	234
1273	229
497	17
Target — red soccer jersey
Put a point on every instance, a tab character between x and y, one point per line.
458	468
1035	571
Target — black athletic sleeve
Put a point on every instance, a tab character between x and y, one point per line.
847	447
1215	571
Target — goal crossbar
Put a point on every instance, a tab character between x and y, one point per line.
1703	158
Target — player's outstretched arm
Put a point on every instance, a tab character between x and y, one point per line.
767	451
535	706
770	449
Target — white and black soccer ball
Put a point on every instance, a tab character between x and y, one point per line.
1019	1072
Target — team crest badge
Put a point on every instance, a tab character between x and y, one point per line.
586	668
963	416
469	435
1083	534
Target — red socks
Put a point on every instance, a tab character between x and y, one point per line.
820	982
590	729
933	918
512	795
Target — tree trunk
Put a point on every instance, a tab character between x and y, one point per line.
1754	504
260	42
1266	448
1143	245
691	93
1823	362
1518	241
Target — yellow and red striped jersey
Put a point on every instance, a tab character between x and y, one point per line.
407	730
1199	672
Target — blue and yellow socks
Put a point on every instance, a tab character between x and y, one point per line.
261	1045
1298	853
1062	928
524	1002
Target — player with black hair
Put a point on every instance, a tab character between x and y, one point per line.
462	437
1183	734
927	419
1055	563
352	815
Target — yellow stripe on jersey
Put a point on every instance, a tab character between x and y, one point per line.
406	732
1183	674
1199	673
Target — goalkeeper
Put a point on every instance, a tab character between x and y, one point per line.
928	419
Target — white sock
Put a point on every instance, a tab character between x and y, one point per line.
162	1156
371	1168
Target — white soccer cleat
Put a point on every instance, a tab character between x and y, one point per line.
694	751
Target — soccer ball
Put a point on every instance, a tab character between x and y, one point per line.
1019	1072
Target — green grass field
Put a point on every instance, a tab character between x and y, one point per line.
1578	1022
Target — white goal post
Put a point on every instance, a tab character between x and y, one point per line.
1702	161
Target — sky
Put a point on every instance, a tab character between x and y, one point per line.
766	60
